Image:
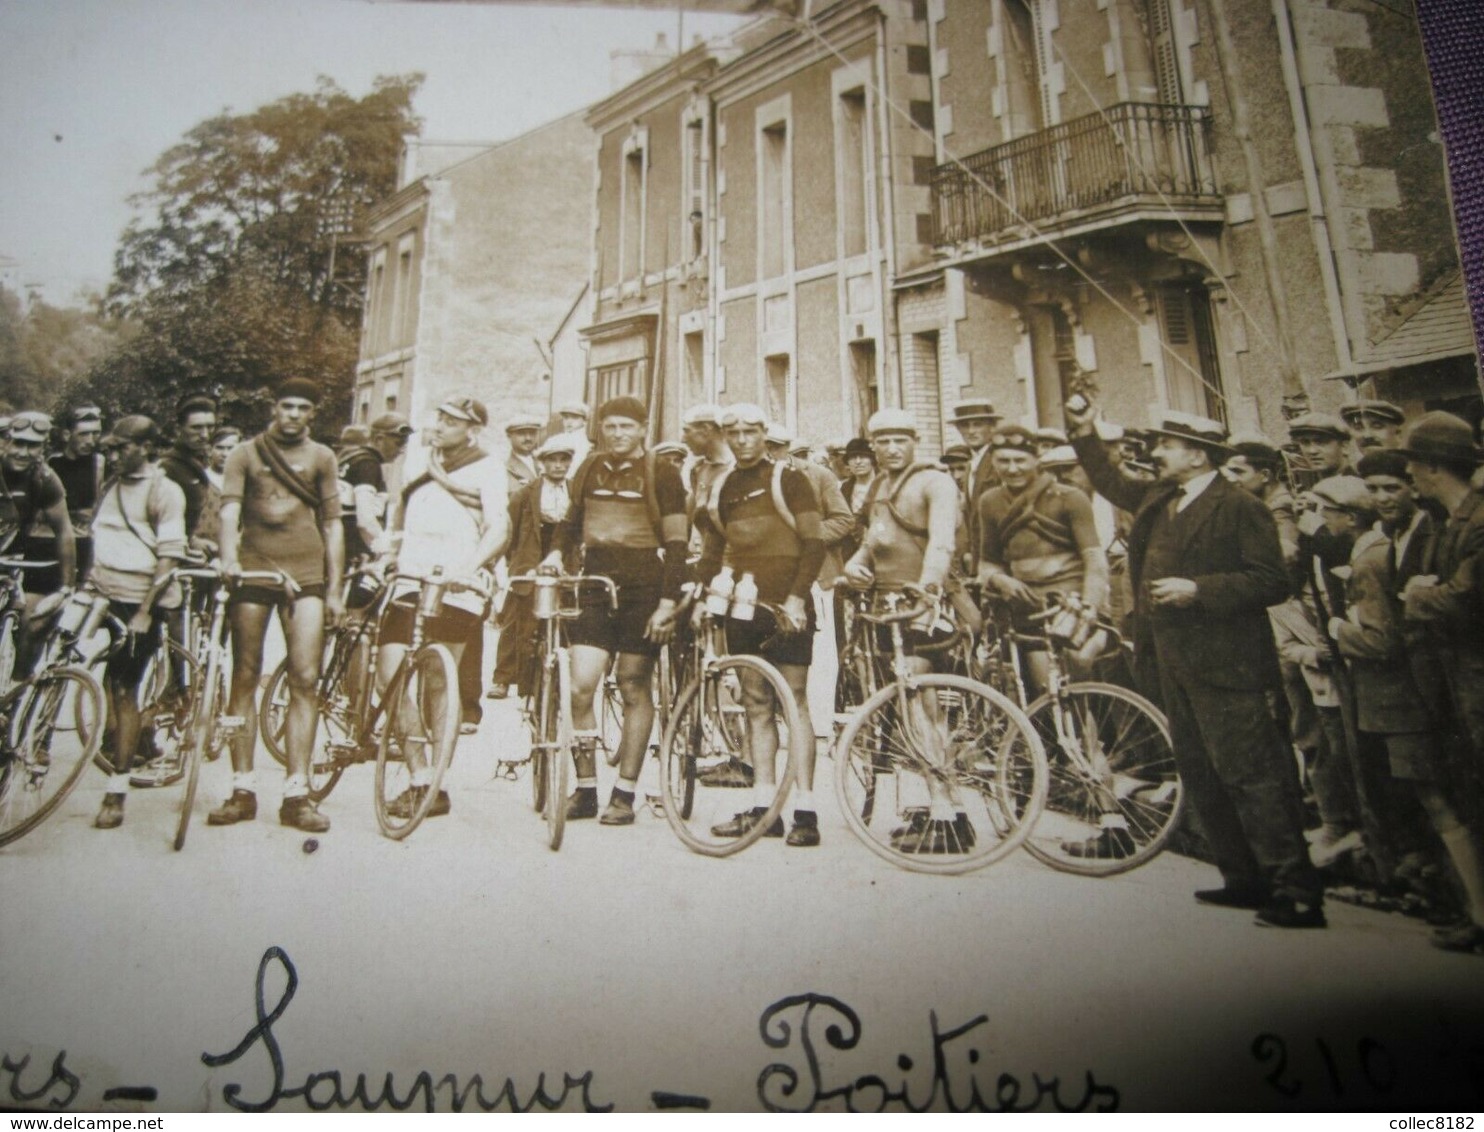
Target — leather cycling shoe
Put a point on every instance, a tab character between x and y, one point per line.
1285	912
937	835
802	835
299	813
733	773
405	803
743	823
241	806
1233	898
619	811
111	813
1112	843
582	803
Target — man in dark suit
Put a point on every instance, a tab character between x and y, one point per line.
535	510
1205	564
976	421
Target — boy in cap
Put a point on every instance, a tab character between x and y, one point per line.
574	416
535	512
281	512
628	518
140	537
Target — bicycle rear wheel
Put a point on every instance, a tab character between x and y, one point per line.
940	775
557	751
336	730
707	728
422	709
1114	796
42	760
193	749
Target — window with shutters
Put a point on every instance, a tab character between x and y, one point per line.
1166	53
852	175
632	190
626	379
773	200
694	189
1191	362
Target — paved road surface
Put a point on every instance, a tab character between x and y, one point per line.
647	974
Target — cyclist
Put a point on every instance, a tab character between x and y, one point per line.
763	518
283	490
223	440
453	517
1036	537
626	509
80	468
363	486
139	537
188	465
911	516
29	490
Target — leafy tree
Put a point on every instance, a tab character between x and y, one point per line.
45	349
238	271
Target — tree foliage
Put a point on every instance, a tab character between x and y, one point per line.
44	348
238	270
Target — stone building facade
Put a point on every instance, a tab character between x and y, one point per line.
1230	207
474	263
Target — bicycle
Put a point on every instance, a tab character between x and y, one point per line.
200	723
419	707
1112	768
708	730
548	709
37	772
349	650
935	772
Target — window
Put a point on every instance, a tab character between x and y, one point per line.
773	187
376	316
694	191
626	379
776	391
401	320
863	370
850	152
1191	364
695	368
631	224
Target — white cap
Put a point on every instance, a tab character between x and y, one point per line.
891	420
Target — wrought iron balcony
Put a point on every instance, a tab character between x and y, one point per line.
1102	164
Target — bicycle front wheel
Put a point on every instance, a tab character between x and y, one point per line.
711	745
422	728
940	774
1114	797
336	730
46	754
556	745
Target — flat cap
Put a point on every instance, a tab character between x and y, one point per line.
1062	456
1318	424
462	407
1380	410
558	445
1348	493
522	421
574	409
393	424
743	413
702	414
887	421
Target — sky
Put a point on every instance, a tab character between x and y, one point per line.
92	91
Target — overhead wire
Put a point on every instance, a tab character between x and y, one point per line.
1043	238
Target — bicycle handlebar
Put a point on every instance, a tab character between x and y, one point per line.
472	584
923	602
575	581
24	564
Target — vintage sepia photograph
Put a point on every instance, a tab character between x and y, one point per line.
754	555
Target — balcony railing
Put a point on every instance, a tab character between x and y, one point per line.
1134	152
